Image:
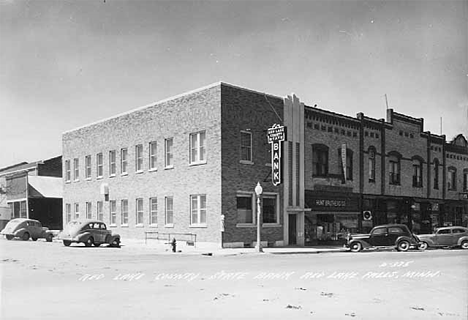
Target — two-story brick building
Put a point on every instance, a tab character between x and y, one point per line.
189	164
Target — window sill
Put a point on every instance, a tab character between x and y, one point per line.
113	226
67	181
246	225
111	175
193	164
88	179
153	170
246	162
139	225
168	167
99	178
124	225
76	180
153	225
124	174
202	225
170	225
371	181
271	225
139	171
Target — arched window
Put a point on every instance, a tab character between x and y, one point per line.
371	164
319	160
436	174
452	178
465	180
417	171
394	168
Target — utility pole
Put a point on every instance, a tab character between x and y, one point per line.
386	101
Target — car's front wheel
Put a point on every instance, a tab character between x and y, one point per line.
422	246
25	236
355	247
464	244
403	245
89	242
66	243
9	237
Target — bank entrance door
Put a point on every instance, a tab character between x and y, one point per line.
292	230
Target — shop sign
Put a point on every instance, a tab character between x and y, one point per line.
330	203
276	135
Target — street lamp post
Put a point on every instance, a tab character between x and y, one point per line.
258	192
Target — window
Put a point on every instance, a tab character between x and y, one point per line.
153	211
124	212
67	171
68	212
113	212
417	173
244	208
198	147
371	165
169	211
246	146
88	167
395	230
139	158
436	174
452	178
319	160
99	212
459	231
89	213
139	211
23	211
198	209
465	180
112	166
76	167
77	211
379	231
168	161
123	160
394	170
152	155
444	231
99	165
270	209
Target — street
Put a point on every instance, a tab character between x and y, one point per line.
42	280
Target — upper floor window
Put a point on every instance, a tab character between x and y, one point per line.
319	160
394	169
198	209
465	180
76	168
436	174
198	147
88	167
99	165
123	160
152	155
112	163
246	146
139	158
371	165
417	173
452	178
168	146
67	171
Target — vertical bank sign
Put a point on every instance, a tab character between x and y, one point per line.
276	135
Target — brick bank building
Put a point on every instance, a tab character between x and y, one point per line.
189	165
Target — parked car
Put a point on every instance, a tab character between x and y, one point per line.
446	237
89	232
385	236
26	228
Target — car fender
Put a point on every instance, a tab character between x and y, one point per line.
20	232
114	237
464	238
429	241
83	237
410	240
365	244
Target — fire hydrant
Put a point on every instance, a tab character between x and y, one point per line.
174	245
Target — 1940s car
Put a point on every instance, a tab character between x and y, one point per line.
385	236
446	237
26	228
89	232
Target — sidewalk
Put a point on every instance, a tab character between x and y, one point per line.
182	248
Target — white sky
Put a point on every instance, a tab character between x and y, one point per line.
64	64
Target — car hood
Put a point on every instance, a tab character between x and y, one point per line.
360	236
428	235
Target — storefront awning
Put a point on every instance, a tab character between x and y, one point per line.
47	187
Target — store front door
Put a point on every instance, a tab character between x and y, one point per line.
292	230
